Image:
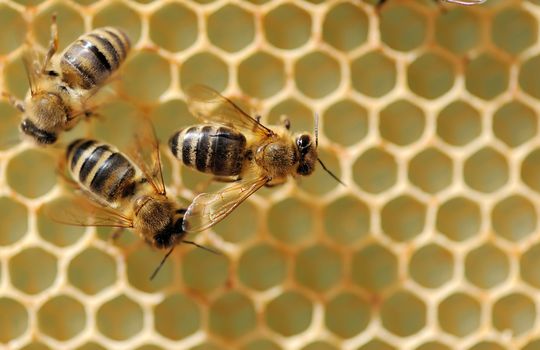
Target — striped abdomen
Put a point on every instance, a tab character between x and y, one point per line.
92	58
101	169
213	149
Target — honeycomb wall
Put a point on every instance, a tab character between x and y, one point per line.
429	115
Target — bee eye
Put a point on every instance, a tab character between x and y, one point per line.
303	142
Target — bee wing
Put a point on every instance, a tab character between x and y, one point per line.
31	61
80	211
207	209
145	154
209	106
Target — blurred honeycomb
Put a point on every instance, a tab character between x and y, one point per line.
428	113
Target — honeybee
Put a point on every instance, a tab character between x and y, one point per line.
236	147
61	85
126	193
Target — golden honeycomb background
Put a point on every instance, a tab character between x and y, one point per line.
428	113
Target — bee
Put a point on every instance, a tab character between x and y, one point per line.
61	85
237	148
126	193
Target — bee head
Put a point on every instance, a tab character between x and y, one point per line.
307	152
45	116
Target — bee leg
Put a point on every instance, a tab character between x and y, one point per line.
286	122
14	101
115	235
53	45
226	178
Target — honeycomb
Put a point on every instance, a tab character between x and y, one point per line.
428	113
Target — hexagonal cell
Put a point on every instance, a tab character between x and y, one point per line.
433	345
261	75
486	170
403	27
291	221
150	68
345	26
487	345
346	220
231	28
16	81
31	184
374	268
459	314
459	123
177	316
232	316
206	69
515	123
528	264
118	125
403	313
324	82
300	115
142	263
9	127
431	75
204	272
375	171
262	267
514	218
14	29
319	345
14	222
459	218
374	74
61	317
431	170
15	320
91	346
403	218
120	15
376	344
530	170
287	26
346	122
318	268
171	116
514	312
527	80
321	182
92	270
402	122
486	76
289	314
32	270
232	228
487	266
514	30
70	25
53	231
260	344
174	27
347	315
120	318
458	30
432	266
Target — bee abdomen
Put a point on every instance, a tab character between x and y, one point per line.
100	169
92	58
217	150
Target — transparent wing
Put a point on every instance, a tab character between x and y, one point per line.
82	211
207	209
145	153
31	60
210	106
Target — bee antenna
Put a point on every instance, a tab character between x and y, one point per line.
161	263
317	132
331	173
203	247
